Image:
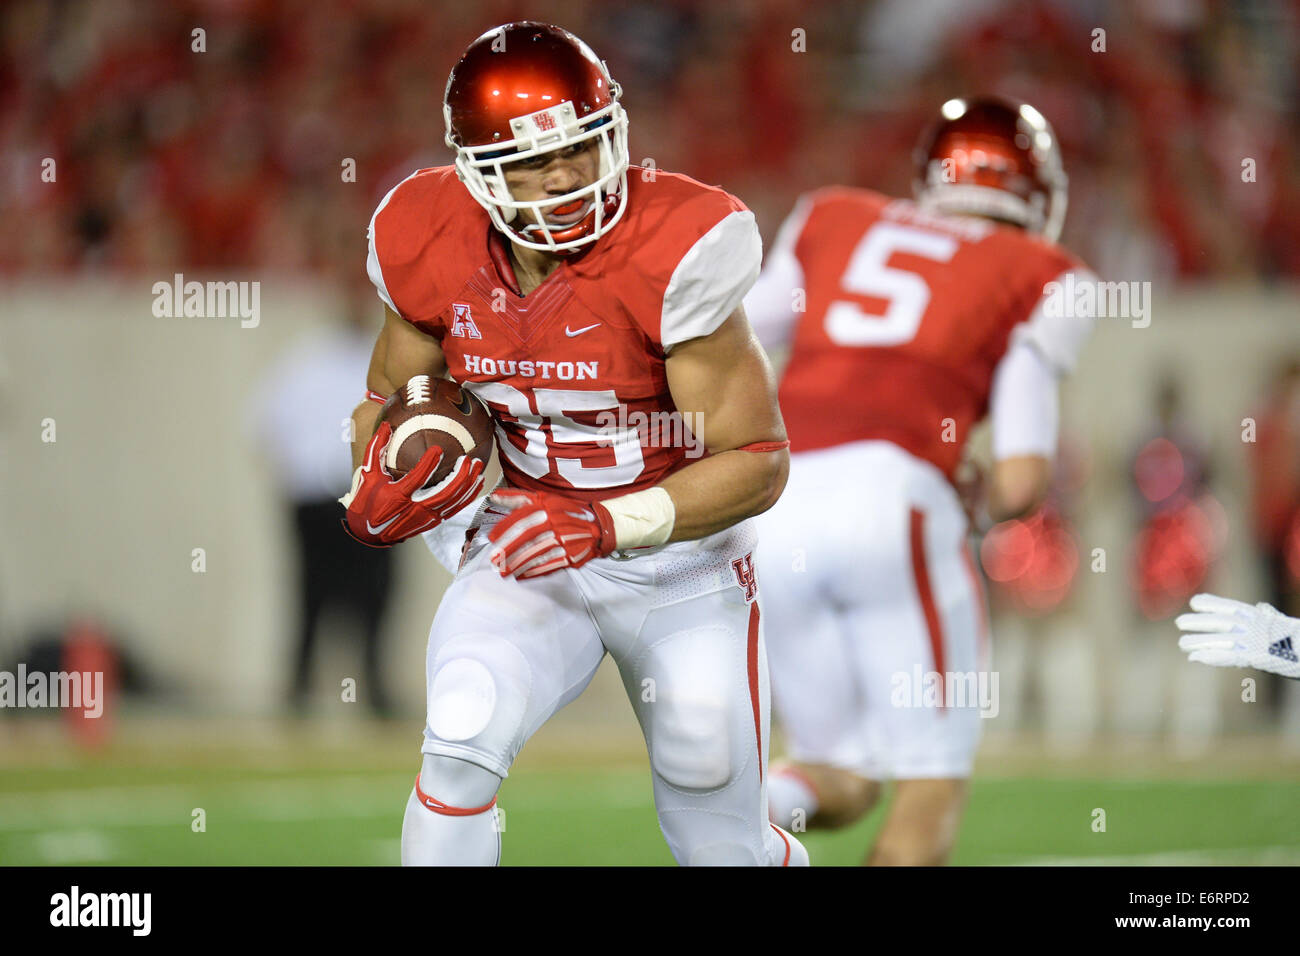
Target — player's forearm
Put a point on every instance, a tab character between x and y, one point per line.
400	352
1019	486
716	492
365	417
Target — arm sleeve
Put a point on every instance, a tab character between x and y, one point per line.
770	303
1024	405
1056	328
711	279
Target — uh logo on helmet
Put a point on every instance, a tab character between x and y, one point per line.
993	157
524	89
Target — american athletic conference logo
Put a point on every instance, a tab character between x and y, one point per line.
744	568
462	324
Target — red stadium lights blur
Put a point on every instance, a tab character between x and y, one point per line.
1032	561
1159	469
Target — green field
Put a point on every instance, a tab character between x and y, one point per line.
292	801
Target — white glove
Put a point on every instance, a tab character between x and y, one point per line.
1227	633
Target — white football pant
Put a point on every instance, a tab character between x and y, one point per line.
875	618
683	625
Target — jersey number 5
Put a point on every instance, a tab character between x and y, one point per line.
905	293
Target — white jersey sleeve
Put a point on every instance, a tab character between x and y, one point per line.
770	304
1024	407
1056	327
373	269
711	279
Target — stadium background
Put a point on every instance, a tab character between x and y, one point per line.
226	165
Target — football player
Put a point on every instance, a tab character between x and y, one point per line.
1222	632
906	322
579	297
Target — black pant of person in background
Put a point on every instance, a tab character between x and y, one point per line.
339	572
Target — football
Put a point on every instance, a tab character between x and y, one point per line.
429	411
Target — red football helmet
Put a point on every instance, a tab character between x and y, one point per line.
991	157
528	88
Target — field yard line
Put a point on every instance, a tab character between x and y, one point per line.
74	846
1264	855
262	800
102	806
168	805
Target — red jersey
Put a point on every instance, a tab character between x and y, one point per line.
573	373
905	319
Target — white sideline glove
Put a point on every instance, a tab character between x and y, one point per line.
1227	633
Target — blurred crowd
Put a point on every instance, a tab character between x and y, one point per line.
228	149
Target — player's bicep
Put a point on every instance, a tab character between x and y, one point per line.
723	382
400	352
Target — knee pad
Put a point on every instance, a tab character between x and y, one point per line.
692	746
479	688
692	722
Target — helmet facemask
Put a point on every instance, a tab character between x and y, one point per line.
939	195
481	169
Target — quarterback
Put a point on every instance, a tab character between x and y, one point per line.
567	290
906	322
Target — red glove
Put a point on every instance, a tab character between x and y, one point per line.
547	532
382	512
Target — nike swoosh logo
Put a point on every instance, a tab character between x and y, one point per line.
464	407
584	515
572	332
373	530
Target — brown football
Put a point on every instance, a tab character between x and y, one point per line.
430	411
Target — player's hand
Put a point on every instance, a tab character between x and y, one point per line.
1227	633
382	512
546	532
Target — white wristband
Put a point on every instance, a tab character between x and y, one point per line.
642	519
